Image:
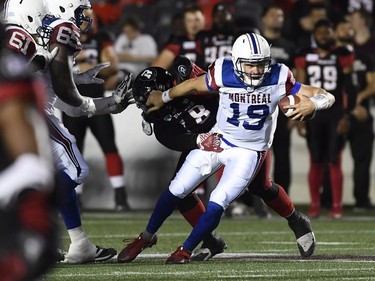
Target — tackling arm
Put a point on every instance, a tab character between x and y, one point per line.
118	102
157	98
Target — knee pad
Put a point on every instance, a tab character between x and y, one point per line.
178	189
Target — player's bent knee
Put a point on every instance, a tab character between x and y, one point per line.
178	189
269	194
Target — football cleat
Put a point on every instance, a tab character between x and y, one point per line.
336	213
60	255
132	250
305	236
121	201
180	256
104	254
84	251
211	246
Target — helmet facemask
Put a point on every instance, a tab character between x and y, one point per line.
80	18
251	79
72	10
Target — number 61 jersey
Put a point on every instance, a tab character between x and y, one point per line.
247	116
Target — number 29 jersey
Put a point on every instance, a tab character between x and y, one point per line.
247	116
327	72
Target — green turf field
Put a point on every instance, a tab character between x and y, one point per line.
257	250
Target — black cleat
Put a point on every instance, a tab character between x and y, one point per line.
305	236
212	245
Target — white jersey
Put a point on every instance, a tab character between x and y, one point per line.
247	116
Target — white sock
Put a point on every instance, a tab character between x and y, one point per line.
77	234
117	181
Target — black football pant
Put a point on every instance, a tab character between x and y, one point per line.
361	137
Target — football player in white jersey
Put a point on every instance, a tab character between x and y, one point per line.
55	25
250	90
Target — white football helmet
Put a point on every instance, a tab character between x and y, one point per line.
27	13
70	10
251	48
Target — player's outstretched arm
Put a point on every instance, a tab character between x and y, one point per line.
121	98
157	98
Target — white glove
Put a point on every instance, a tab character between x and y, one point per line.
43	57
88	106
122	90
49	56
89	76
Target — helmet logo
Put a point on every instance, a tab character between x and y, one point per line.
182	70
147	74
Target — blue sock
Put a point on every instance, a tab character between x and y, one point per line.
205	225
164	208
68	203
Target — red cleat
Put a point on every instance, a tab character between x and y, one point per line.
132	250
336	213
180	256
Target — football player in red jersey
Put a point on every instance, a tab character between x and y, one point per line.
217	41
183	44
329	67
26	174
57	25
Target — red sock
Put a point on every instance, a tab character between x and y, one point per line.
113	164
193	215
315	178
282	204
336	177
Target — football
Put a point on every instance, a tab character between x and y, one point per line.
288	100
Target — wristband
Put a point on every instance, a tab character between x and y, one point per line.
320	101
165	96
85	104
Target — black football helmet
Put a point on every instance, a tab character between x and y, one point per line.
151	78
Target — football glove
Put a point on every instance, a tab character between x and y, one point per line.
123	96
209	142
89	76
122	89
88	106
43	58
